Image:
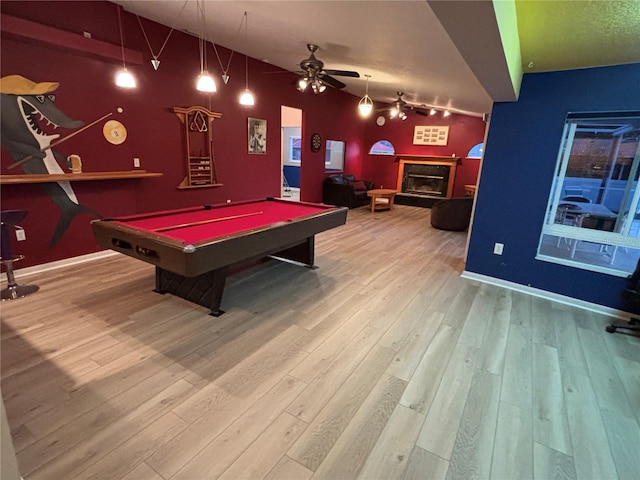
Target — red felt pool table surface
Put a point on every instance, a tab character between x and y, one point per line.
198	224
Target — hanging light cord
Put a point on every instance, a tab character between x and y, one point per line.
202	43
121	37
166	39
246	57
225	70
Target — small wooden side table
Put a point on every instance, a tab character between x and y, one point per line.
469	190
383	194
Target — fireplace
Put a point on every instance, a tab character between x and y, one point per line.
421	180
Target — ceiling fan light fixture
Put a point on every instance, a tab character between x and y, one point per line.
318	86
402	116
303	82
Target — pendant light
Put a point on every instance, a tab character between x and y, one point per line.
205	81
247	97
365	105
123	79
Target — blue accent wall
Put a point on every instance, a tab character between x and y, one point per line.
517	171
292	174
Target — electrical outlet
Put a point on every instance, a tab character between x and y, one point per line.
229	201
136	162
20	235
497	248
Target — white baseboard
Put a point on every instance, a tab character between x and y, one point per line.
45	267
536	292
592	307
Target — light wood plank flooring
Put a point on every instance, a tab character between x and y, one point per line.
381	364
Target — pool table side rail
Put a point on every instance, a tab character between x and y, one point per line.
209	255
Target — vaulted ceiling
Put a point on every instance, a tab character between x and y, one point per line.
461	55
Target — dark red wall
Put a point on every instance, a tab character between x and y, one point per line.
464	132
87	92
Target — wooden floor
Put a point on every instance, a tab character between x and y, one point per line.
381	364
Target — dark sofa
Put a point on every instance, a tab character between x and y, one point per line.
452	213
345	190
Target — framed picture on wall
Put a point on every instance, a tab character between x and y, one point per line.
257	135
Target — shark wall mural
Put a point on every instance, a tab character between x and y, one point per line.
29	113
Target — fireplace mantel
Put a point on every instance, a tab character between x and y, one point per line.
428	159
451	162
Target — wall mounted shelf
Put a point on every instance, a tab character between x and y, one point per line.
38	34
75	177
187	187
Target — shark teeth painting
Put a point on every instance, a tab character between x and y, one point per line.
28	113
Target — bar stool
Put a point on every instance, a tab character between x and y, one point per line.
8	220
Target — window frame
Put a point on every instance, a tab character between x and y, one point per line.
619	239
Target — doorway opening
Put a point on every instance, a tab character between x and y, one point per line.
291	151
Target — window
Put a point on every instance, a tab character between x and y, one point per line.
294	149
382	147
476	151
334	156
593	214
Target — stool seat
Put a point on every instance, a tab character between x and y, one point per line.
8	220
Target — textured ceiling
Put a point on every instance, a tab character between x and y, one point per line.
561	35
456	54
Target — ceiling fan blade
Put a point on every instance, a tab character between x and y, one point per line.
342	73
331	81
420	112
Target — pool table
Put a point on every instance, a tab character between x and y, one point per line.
193	248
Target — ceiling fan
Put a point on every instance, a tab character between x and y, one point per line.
314	74
399	108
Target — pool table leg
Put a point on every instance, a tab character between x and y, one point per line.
205	289
303	252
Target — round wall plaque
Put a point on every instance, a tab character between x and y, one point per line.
114	132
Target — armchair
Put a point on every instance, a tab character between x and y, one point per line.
452	213
345	190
